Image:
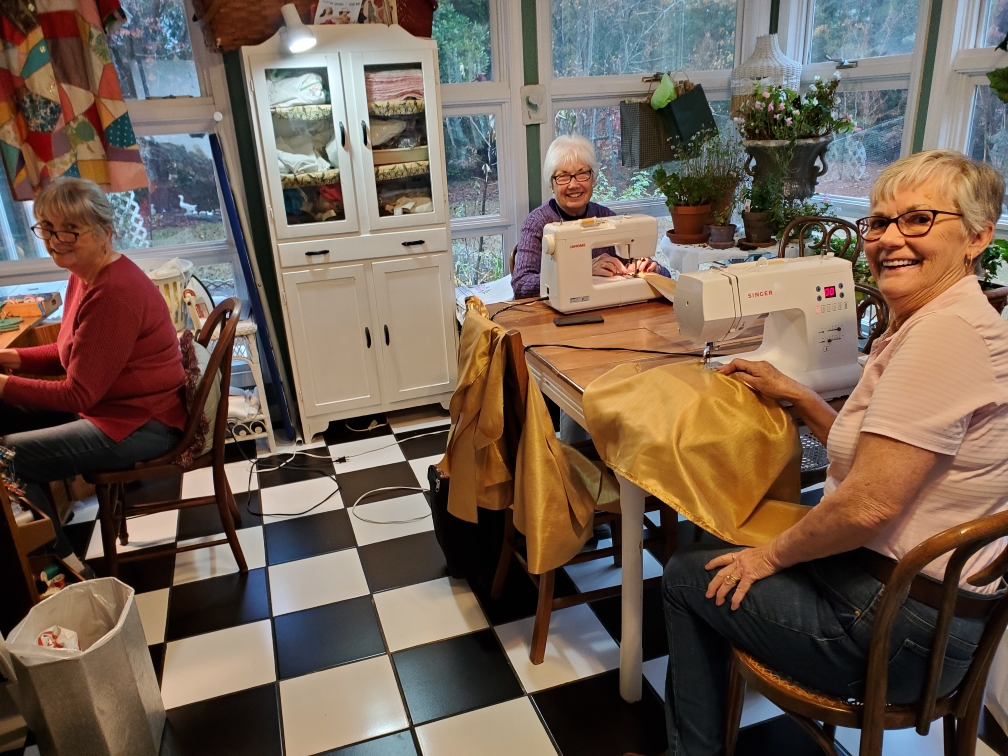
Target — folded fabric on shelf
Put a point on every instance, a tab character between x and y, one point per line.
291	163
384	130
306	89
397	84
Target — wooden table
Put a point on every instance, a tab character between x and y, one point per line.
36	331
564	373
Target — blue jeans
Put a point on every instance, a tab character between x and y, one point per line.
52	446
811	623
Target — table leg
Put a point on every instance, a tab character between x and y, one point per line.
631	648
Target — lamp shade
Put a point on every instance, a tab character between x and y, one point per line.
295	34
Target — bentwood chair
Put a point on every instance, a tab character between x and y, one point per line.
818	234
959	710
515	396
110	487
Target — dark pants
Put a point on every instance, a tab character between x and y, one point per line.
811	623
52	446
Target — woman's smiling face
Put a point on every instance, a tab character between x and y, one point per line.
573	198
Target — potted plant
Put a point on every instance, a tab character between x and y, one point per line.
785	133
722	230
762	198
705	178
992	257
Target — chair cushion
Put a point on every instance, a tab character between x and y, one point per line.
213	398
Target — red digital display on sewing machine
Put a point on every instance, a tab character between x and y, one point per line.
829	291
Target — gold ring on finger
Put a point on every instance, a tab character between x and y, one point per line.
732	579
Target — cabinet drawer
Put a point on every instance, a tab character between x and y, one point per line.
364	247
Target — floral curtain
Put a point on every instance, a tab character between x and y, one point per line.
62	112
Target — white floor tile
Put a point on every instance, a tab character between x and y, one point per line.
428	416
85	510
294	499
388	516
144	532
901	742
428	612
420	468
601	573
654	672
336	707
153	608
315	581
366	452
577	646
200	482
509	728
200	564
214	664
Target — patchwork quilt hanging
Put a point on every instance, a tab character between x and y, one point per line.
62	112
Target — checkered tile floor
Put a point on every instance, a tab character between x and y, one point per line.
347	637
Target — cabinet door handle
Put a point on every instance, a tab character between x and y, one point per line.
317	252
414	243
342	135
386	336
367	335
363	128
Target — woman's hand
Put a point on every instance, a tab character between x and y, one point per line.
765	378
9	359
607	265
642	265
740	569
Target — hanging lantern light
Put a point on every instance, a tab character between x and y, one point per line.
767	65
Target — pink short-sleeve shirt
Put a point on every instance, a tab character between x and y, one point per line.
940	383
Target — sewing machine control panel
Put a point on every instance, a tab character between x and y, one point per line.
831	297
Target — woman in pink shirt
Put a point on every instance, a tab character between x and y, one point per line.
918	447
121	397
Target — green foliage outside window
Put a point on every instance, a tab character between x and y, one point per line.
865	29
462	31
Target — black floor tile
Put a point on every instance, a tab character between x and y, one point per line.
339	432
281	468
456	675
638	727
246	723
397	744
154	490
157	659
79	535
198	522
217	603
144	575
519	598
355	484
402	561
609	612
308	536
327	636
423	443
236	451
780	736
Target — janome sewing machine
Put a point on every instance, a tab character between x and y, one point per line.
810	333
566	275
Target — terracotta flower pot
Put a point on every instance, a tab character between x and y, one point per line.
801	173
722	237
757	227
998	297
688	220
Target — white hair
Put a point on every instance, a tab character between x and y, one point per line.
568	151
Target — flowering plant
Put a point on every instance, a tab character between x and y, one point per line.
780	113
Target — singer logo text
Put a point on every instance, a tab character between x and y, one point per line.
765	293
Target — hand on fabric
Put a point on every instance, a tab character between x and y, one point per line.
642	265
10	359
607	265
765	378
740	569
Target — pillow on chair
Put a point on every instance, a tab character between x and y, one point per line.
213	398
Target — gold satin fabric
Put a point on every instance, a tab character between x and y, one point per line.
664	286
555	489
719	453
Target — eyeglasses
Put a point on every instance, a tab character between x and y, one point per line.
563	179
67	237
910	224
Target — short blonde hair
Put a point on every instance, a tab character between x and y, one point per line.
976	189
566	152
79	201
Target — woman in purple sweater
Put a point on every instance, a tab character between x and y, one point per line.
571	165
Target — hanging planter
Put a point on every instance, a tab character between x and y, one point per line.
768	157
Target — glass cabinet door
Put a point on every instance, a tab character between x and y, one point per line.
396	101
306	147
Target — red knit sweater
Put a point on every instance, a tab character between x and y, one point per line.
120	353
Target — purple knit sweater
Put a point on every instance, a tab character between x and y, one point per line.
528	259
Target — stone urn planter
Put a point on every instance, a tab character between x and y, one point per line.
757	227
690	220
997	295
722	237
767	155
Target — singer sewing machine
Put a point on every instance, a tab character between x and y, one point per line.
810	333
566	275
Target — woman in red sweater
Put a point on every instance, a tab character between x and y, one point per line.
122	399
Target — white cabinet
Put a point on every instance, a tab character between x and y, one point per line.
351	157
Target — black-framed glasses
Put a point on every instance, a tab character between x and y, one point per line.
67	237
563	179
911	223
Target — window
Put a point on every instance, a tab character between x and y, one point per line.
478	259
152	51
988	139
462	31
856	30
602	38
471	158
995	23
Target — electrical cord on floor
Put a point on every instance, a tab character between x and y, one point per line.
371	426
255	467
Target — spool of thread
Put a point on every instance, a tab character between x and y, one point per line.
49	572
24	517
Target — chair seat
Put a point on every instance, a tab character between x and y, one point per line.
791	696
144	470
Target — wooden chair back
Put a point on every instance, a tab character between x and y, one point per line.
511	259
515	391
818	234
870	299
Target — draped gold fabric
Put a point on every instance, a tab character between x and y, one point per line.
557	488
722	455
